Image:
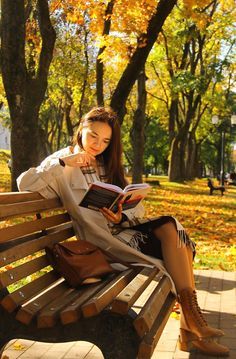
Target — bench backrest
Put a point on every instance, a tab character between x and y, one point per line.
28	224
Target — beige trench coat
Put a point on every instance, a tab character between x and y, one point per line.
50	179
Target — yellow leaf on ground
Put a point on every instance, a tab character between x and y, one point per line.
18	346
175	316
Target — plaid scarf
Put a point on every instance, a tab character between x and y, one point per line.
91	175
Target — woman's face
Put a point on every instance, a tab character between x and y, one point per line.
96	137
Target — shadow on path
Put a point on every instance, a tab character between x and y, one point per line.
213	284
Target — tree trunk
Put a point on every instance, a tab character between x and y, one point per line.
193	165
99	63
44	148
177	170
190	156
137	130
174	164
198	167
68	105
173	112
24	138
24	92
139	57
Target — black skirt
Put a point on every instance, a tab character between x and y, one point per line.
150	245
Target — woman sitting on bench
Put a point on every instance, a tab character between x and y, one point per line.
96	155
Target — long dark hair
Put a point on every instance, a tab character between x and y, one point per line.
112	155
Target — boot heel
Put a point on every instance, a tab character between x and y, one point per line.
188	341
185	340
184	346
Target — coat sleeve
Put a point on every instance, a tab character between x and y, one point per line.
42	179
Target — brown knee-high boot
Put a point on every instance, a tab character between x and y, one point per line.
193	316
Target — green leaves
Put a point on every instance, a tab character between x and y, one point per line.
185	81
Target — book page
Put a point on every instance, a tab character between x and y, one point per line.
131	198
109	186
133	186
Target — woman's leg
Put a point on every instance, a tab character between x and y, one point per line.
178	262
176	258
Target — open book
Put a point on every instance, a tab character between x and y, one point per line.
107	195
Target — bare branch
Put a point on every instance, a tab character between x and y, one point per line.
162	85
158	98
48	39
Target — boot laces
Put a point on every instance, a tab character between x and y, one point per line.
200	316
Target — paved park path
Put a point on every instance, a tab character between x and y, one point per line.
217	297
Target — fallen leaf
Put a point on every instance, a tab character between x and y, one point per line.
18	346
175	315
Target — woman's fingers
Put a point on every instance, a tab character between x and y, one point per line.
85	159
120	207
79	159
111	216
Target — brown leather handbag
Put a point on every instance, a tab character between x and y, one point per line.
78	261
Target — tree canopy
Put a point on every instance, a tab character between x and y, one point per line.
70	56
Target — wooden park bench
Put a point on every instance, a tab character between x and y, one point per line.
215	188
124	315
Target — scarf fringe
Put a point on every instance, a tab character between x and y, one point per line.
184	239
132	238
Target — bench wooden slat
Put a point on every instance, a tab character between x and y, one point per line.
72	298
22	271
150	340
126	298
48	316
151	309
22	229
30	309
23	208
17	197
72	312
107	294
11	255
30	237
28	291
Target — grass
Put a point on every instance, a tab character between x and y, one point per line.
5	175
209	220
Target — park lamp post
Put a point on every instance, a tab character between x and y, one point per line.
222	127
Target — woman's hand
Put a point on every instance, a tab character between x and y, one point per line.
78	159
111	216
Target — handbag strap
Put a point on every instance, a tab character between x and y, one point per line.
118	260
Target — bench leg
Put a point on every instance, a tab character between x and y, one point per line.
112	333
118	339
6	326
2	347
